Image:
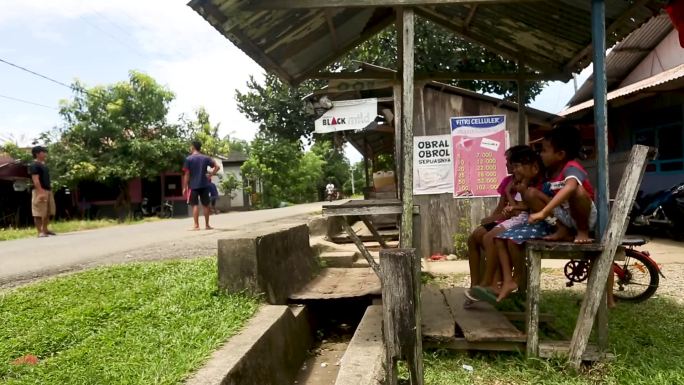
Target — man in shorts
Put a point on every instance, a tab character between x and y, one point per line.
195	182
42	199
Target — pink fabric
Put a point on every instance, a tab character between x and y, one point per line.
504	183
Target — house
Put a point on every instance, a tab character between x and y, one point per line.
231	164
15	205
645	75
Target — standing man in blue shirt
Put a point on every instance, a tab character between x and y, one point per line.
196	182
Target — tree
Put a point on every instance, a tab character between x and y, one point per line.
336	168
201	129
281	172
115	133
438	49
277	107
229	184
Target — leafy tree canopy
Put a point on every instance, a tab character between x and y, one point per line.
116	132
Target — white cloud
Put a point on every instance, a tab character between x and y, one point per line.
174	45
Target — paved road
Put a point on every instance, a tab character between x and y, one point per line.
26	259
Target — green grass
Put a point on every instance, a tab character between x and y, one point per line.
143	323
647	338
61	227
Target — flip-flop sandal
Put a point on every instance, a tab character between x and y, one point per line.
483	294
470	300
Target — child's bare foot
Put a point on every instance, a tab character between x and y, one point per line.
562	234
583	237
194	228
208	228
506	289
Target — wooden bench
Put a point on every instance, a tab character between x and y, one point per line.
602	254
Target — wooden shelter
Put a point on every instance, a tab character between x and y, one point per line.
550	39
435	104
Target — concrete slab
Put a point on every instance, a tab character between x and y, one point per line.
269	351
340	283
339	258
363	362
276	261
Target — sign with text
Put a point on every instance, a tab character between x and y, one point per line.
348	115
479	144
433	170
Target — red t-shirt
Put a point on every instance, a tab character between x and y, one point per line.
571	170
504	183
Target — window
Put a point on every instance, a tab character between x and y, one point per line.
669	140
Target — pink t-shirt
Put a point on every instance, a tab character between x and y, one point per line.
504	183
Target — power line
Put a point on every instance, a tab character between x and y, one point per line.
37	74
27	102
113	37
73	88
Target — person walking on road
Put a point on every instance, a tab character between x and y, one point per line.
196	184
42	199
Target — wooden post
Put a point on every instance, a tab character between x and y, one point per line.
533	260
400	272
397	139
369	224
522	118
596	286
406	43
598	33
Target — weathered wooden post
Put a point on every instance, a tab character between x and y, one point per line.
400	271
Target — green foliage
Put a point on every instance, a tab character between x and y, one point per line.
281	171
438	49
336	167
277	107
229	184
16	152
141	323
461	237
116	133
646	339
201	129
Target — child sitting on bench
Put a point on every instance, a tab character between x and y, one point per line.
568	186
527	168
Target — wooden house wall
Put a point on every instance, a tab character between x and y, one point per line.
442	216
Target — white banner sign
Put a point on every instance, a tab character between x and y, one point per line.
348	115
433	171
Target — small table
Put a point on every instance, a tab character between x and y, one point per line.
364	209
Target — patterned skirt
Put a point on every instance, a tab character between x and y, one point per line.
525	232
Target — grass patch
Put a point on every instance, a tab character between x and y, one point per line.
142	323
647	339
65	227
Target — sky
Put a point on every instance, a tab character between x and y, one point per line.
98	42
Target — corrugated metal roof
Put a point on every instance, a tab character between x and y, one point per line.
674	74
626	55
294	43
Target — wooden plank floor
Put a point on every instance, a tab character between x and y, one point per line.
437	321
340	283
481	322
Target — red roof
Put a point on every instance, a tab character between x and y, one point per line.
11	169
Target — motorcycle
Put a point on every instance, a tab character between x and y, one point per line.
662	211
144	210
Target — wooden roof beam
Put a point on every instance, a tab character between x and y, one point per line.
298	4
471	16
443	76
331	28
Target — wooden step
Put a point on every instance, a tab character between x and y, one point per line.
339	258
436	319
480	322
340	283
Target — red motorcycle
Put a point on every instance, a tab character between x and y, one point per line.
636	278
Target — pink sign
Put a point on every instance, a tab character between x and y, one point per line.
479	144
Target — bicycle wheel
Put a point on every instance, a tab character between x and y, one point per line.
640	281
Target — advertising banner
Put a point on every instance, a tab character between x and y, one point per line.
433	170
479	144
348	115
